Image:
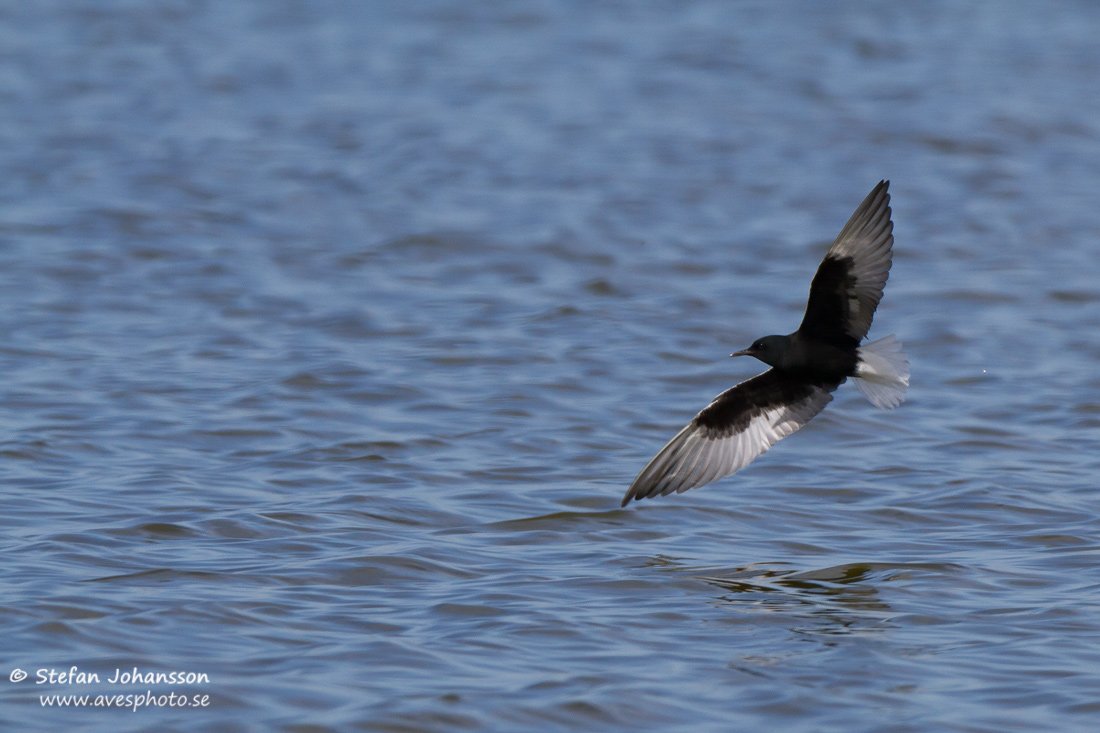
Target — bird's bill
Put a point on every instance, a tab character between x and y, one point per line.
742	352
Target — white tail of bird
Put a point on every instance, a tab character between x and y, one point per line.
882	374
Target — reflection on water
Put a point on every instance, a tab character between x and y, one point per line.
836	600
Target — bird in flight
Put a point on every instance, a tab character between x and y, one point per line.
806	366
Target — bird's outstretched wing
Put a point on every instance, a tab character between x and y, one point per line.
740	424
848	284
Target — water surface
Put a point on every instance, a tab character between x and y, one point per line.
333	335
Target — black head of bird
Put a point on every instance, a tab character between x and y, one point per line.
769	349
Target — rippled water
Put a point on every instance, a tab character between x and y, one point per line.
334	333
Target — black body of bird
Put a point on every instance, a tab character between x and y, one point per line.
806	366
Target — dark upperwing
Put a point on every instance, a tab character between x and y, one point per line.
848	285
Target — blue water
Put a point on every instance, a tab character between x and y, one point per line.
333	334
